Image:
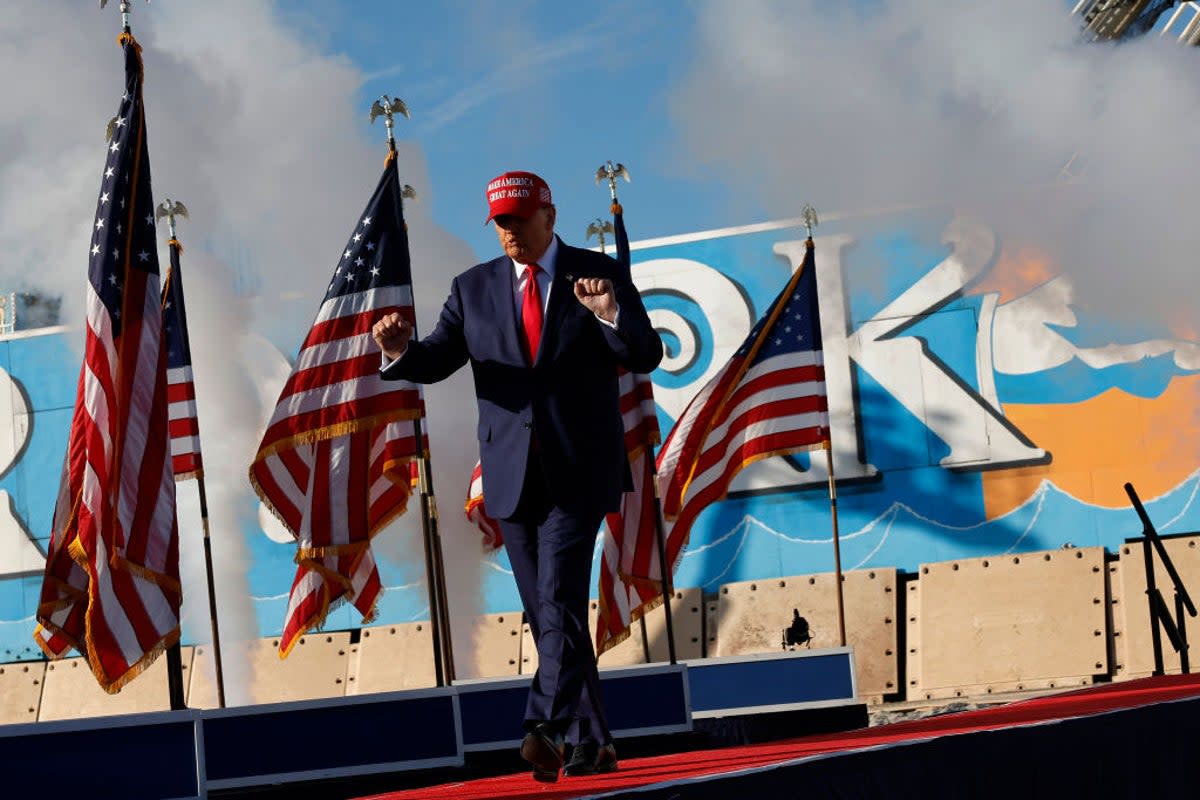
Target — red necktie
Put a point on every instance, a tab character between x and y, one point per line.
531	312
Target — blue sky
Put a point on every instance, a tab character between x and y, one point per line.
557	88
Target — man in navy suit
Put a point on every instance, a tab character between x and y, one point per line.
544	328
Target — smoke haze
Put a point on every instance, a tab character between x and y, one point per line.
258	132
857	106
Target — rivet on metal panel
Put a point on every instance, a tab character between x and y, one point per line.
512	661
912	650
337	680
500	618
887	652
1016	560
1046	557
1020	687
1124	551
889	684
886	589
812	581
1101	666
985	563
989	690
1079	554
912	587
724	590
366	634
1097	633
782	584
924	570
419	627
754	587
871	575
679	595
954	567
1192	543
1095	569
1116	634
1096	601
912	683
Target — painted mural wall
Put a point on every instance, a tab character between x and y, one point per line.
974	409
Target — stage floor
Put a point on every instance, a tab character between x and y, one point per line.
1073	739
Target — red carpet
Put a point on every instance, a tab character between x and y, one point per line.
645	772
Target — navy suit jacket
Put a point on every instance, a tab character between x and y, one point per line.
569	396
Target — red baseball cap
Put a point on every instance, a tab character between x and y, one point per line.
518	193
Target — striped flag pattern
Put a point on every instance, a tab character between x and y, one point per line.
768	400
336	461
182	422
477	512
111	585
630	580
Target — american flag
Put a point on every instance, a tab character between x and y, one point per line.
183	424
768	400
335	463
477	512
630	580
111	586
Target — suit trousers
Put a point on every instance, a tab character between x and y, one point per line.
550	551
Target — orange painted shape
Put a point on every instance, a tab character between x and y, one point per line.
1100	443
1018	270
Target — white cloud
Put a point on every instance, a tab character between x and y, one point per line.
854	106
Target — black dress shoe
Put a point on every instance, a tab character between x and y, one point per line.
543	748
590	758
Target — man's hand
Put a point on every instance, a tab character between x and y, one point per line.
392	333
597	296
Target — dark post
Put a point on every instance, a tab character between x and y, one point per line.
668	591
175	677
433	578
212	594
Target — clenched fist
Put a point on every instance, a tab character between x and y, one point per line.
597	296
392	333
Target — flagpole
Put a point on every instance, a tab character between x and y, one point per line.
172	209
660	539
610	172
809	217
439	616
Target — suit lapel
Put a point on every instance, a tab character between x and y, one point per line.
561	298
503	276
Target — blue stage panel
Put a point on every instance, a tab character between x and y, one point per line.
343	736
768	682
639	701
134	757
